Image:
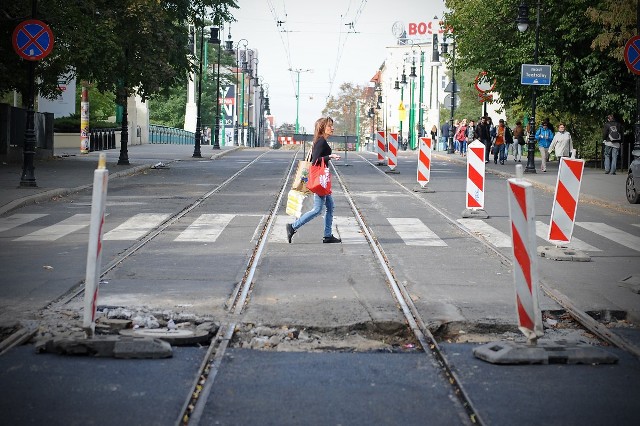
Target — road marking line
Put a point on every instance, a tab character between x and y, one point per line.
613	234
415	233
542	230
349	230
135	227
59	230
18	219
206	228
490	234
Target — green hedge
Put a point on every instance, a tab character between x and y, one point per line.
72	124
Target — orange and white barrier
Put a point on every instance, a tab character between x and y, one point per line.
424	161
565	201
475	175
288	140
94	251
381	146
525	265
392	154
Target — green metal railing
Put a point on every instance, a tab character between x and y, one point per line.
170	135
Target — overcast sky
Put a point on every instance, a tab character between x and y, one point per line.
339	40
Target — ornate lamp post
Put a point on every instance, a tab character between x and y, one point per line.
215	39
454	87
523	24
412	110
252	102
238	110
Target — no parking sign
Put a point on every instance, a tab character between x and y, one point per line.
32	40
632	54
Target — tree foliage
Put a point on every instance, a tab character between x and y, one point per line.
350	101
120	46
586	83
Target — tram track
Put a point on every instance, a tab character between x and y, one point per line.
577	314
204	381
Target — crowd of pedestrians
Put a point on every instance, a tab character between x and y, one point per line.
501	140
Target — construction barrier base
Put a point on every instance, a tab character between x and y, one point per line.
544	352
393	172
423	189
475	214
563	253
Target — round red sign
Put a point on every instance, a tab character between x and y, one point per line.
32	40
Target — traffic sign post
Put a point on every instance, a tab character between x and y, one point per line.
32	40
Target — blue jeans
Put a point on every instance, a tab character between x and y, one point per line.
610	158
318	201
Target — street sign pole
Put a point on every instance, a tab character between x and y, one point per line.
32	40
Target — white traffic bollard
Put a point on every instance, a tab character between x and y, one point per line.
525	265
94	252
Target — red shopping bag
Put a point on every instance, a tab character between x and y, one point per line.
319	179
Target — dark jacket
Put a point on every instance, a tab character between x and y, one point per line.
607	127
483	131
320	149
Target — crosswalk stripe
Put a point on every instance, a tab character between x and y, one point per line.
279	232
349	230
59	230
135	227
415	233
15	220
613	234
542	231
493	236
206	228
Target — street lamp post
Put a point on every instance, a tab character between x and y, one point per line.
237	92
298	71
523	24
454	88
245	70
435	63
198	135
215	39
252	102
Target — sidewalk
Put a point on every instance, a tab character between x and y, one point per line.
596	188
62	175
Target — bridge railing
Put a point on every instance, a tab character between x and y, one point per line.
170	135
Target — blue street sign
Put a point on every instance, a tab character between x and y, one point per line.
535	75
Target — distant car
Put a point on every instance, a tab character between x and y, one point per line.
633	179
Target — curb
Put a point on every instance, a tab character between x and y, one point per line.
59	192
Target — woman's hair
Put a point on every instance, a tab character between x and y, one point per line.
321	125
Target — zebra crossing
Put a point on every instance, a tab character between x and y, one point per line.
208	228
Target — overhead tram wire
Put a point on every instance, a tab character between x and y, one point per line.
285	44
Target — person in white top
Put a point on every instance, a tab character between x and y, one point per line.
562	142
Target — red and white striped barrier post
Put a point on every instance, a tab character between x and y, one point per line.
424	164
94	251
565	201
525	266
563	213
381	147
474	202
392	153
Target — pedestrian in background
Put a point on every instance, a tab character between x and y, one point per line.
508	140
562	142
544	136
461	137
444	134
321	150
484	135
471	132
498	143
612	136
518	136
434	134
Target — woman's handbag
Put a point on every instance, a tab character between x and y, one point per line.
319	179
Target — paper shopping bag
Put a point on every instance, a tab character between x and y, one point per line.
302	176
294	203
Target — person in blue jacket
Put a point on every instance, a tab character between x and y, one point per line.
544	136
